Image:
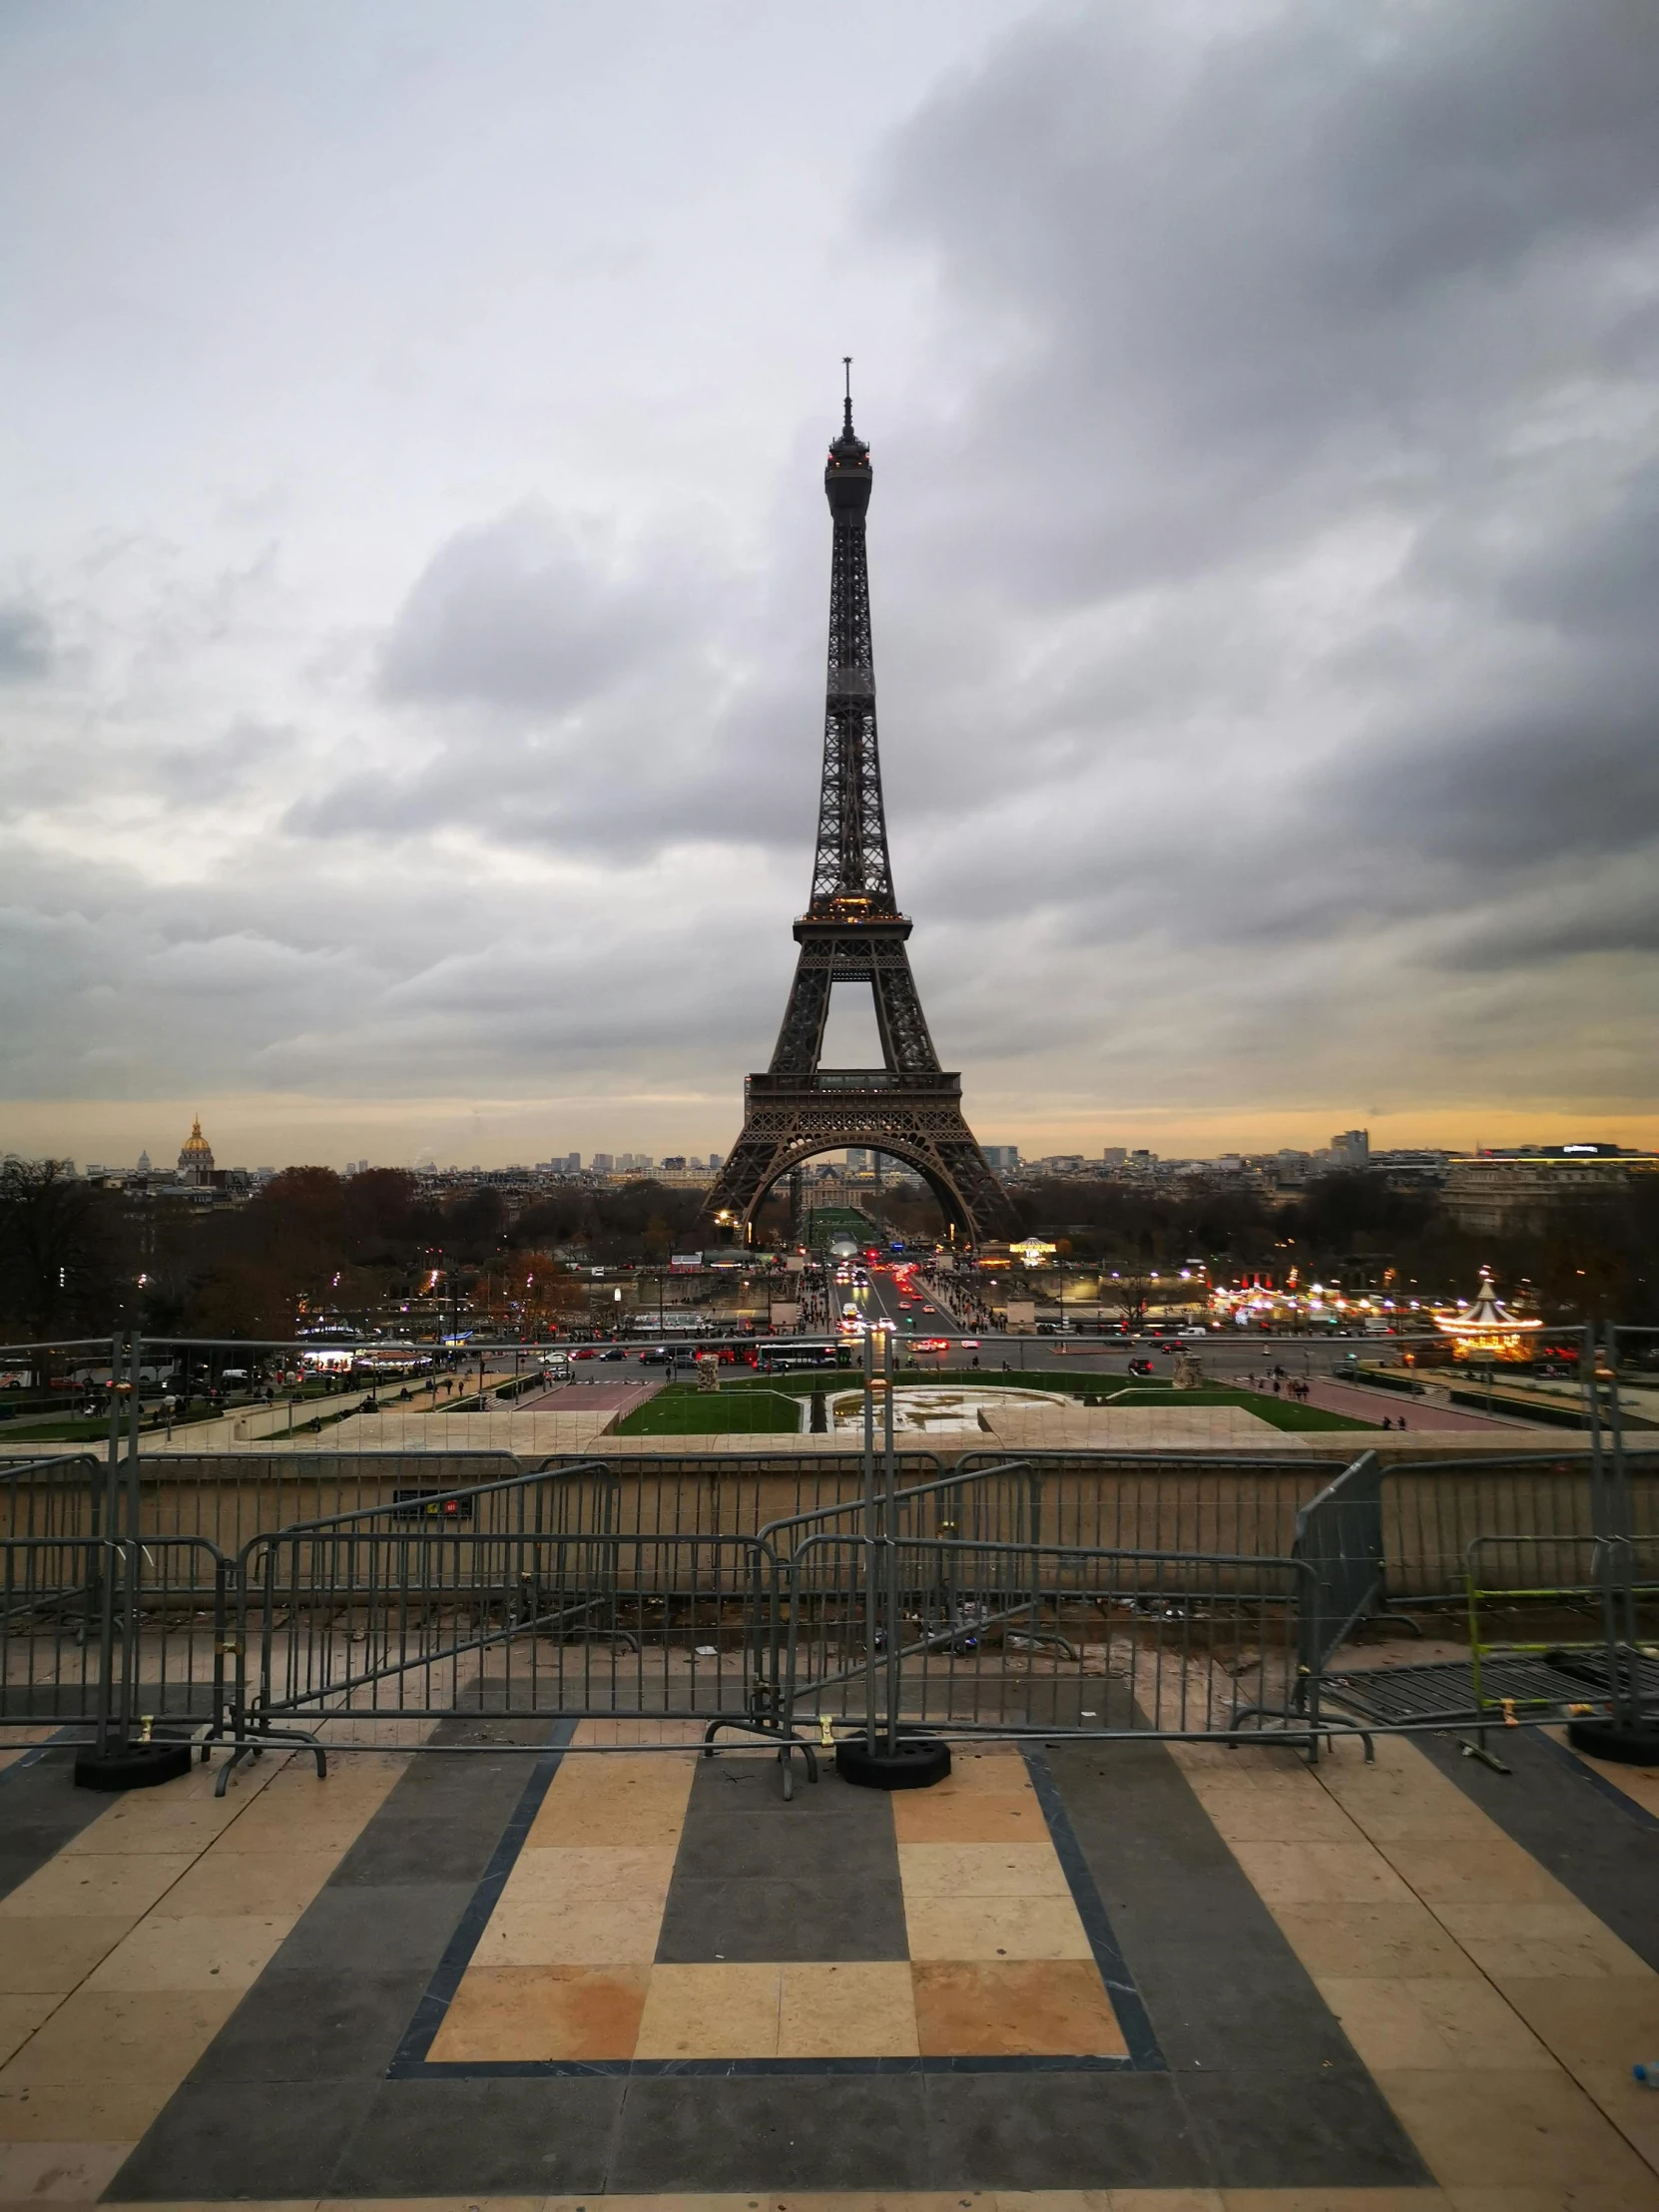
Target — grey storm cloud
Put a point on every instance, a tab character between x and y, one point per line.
517	612
1265	548
25	643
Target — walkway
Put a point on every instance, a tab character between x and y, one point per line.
1419	1412
1207	1982
581	1396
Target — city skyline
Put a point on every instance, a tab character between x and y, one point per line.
623	1160
411	581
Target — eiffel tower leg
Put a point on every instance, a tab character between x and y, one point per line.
924	1129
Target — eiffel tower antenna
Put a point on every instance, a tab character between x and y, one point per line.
854	932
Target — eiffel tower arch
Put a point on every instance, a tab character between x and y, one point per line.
854	932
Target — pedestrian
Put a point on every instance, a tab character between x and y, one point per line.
1386	1422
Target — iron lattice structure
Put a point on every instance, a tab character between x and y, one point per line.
852	932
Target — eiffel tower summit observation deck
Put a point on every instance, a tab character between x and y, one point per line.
854	932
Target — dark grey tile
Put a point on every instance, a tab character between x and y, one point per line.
273	2139
1552	1807
395	1851
696	2134
305	2028
367	1929
41	1810
752	1919
1218	2022
1060	2131
1277	2131
475	2138
757	1879
753	1785
736	1847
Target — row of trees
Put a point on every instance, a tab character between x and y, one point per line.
1595	1259
79	1261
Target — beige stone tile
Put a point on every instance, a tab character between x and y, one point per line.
154	1822
713	2012
258	1884
543	2012
1400	1938
1157	2200
995	1927
1332	2201
1488	1869
1396	1804
1522	2130
1069	2200
1014	2007
981	1870
1585	2195
1246	1812
976	1816
75	2112
1598	2020
895	2200
593	1933
853	2009
19	2017
1632	2108
632	1799
1533	1940
1628	2193
1431	2023
299	1812
554	1874
826	2200
98	2037
403	2204
1238	1759
194	1953
107	1888
54	1954
1320	1874
58	2173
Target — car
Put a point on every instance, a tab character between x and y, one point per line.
968	1344
615	1352
931	1344
584	1351
1141	1366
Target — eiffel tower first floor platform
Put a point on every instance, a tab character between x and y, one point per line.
916	1118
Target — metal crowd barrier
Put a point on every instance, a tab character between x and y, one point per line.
964	1601
1006	1638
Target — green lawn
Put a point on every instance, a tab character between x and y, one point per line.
694	1412
764	1406
1279	1412
934	1370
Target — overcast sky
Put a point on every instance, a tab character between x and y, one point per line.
414	563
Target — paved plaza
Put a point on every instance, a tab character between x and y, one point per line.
1164	1977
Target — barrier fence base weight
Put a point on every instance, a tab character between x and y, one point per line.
1622	1744
131	1766
910	1763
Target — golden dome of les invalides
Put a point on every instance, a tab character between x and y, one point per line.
197	1157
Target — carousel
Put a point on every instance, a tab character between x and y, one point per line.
1487	1330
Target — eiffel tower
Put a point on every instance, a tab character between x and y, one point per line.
852	932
